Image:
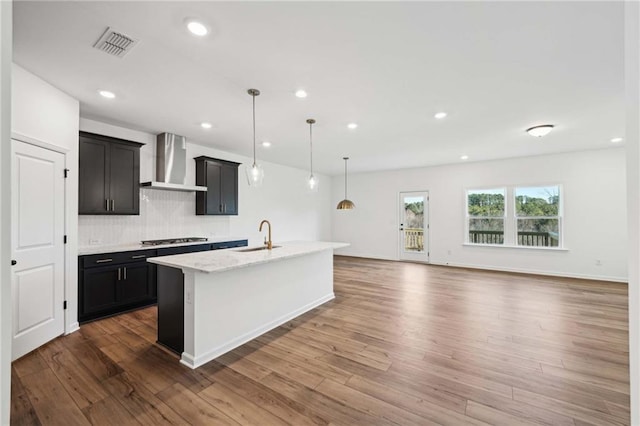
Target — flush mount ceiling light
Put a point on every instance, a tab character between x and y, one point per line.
197	28
206	125
464	157
107	94
312	182
266	144
540	131
345	204
352	126
255	173
440	115
616	140
301	94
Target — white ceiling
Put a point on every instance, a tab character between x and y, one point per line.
495	67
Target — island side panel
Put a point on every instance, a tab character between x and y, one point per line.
224	310
171	308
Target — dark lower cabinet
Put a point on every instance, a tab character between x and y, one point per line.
99	290
116	288
112	283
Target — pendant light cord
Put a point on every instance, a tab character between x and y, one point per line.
311	147
345	178
254	129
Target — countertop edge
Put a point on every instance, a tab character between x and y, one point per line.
250	262
91	250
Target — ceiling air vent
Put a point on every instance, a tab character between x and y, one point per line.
115	43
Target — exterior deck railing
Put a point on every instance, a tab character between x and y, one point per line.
535	239
413	239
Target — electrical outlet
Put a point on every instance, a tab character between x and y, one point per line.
598	262
94	241
188	297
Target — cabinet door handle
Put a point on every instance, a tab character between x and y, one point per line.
104	260
139	256
107	201
113	205
125	272
220	208
119	274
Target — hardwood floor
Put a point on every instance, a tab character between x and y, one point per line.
402	343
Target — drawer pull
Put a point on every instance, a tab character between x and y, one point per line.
139	256
104	260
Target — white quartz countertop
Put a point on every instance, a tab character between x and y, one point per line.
233	258
100	249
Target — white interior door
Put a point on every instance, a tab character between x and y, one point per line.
37	222
414	226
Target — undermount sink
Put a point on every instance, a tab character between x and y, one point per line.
255	249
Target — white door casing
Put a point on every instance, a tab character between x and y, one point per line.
414	236
37	246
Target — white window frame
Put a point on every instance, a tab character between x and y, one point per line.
558	217
504	216
510	218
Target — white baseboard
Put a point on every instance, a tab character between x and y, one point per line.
195	362
534	272
504	269
72	328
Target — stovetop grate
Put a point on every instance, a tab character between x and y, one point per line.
174	241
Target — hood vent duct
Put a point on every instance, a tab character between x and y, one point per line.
115	43
171	164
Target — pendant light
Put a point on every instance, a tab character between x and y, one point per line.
345	204
312	182
255	173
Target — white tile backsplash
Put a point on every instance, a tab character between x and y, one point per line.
163	214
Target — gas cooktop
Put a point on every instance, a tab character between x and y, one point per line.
173	241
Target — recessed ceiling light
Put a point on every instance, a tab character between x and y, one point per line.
301	93
540	131
440	115
107	94
266	144
206	125
616	140
464	157
197	28
352	126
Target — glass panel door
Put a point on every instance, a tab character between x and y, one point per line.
414	220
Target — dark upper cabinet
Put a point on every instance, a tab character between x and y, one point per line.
109	180
221	179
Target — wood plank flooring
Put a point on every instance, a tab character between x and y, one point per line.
402	344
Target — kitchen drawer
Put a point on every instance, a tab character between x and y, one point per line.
105	259
184	249
229	244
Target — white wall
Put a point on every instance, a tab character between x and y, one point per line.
43	113
283	200
632	81
5	209
592	230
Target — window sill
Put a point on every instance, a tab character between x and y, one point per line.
516	247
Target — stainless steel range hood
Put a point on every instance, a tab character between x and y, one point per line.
171	164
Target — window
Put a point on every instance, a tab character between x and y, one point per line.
537	211
486	215
515	216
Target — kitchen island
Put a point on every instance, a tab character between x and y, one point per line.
212	302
